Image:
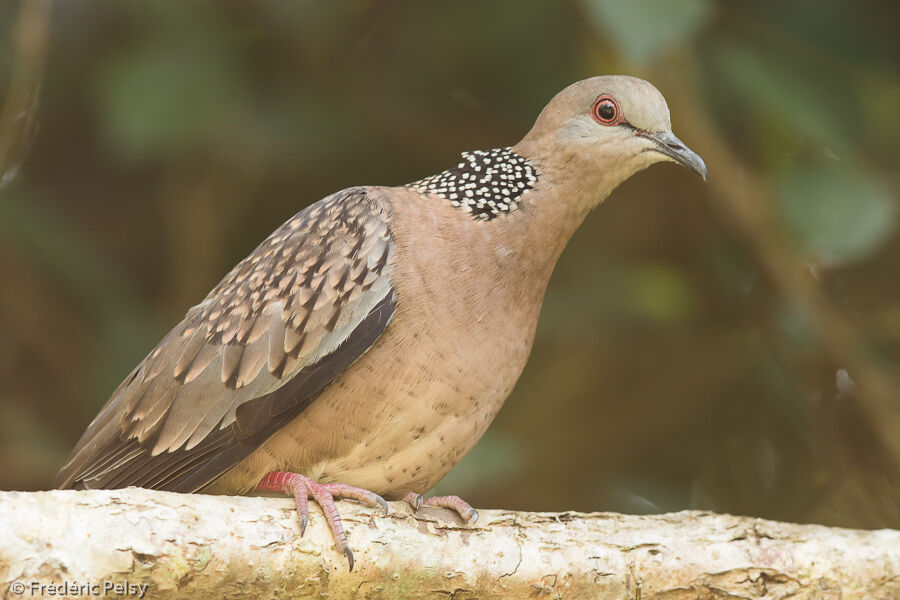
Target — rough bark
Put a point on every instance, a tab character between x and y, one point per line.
249	547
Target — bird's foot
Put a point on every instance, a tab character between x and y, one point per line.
454	503
302	488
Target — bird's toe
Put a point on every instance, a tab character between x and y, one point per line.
414	500
454	503
363	496
302	488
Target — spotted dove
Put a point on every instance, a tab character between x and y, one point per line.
365	346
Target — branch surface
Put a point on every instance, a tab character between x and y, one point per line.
197	546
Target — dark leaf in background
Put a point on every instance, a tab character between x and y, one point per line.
836	212
643	31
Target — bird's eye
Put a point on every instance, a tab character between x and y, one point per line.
605	110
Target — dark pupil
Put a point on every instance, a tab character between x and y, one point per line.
606	111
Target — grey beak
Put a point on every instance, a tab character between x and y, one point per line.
671	146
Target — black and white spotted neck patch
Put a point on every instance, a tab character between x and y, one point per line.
486	184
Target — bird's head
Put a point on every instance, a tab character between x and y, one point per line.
612	126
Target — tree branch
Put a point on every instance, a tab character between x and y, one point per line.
199	546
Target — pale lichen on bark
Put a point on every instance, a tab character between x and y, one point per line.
238	547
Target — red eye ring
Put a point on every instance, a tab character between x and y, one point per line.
605	110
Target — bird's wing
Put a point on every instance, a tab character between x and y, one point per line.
281	326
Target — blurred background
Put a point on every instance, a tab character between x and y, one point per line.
732	346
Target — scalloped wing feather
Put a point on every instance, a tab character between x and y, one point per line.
283	324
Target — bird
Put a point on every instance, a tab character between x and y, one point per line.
363	348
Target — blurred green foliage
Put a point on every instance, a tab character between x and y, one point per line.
643	31
837	212
671	368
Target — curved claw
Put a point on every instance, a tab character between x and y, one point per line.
304	520
349	554
383	504
474	517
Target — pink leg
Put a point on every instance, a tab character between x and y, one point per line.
302	487
454	503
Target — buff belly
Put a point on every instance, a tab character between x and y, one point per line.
391	428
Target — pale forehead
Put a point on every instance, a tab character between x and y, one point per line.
642	104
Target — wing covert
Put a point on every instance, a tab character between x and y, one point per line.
283	324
